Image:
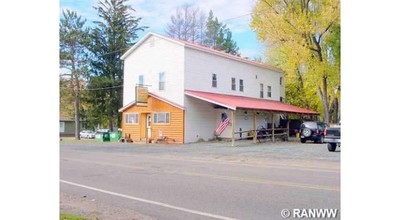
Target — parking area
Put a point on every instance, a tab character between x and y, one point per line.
244	151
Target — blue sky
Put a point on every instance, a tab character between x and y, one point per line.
156	14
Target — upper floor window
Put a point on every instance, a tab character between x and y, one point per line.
281	81
131	118
214	80
233	84
241	86
269	91
161	118
141	80
261	90
161	81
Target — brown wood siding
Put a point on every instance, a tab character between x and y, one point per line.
173	130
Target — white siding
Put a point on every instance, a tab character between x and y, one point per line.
147	60
190	69
199	67
244	122
200	120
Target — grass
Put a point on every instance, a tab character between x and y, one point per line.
65	216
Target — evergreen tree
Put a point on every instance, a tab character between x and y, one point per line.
73	56
218	36
111	37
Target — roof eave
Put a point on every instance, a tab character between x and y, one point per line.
133	48
127	106
211	101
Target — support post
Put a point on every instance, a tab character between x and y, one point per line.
254	127
273	128
287	128
233	127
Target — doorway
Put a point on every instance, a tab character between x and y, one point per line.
148	126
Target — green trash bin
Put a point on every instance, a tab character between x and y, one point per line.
115	136
102	136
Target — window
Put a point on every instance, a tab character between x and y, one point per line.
141	80
131	118
261	90
269	91
62	126
214	80
233	84
280	81
241	87
281	99
161	79
161	118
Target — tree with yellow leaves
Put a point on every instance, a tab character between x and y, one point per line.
303	39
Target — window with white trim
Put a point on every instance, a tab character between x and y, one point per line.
214	80
161	81
233	83
131	118
141	80
281	81
241	86
261	90
269	91
161	118
62	126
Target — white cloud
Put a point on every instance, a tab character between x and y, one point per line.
156	15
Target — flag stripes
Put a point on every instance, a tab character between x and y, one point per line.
222	125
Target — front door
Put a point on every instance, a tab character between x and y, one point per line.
148	127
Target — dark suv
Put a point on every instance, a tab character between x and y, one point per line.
312	130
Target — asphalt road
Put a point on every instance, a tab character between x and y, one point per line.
201	181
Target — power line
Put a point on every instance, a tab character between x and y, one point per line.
236	17
104	88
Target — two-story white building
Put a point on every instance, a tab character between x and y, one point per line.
179	90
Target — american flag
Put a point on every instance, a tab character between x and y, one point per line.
222	125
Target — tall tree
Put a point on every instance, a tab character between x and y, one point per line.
111	37
73	56
188	23
300	36
218	36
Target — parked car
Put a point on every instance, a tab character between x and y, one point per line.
312	130
87	134
332	137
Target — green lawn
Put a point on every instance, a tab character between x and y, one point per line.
65	216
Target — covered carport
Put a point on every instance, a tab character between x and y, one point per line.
252	105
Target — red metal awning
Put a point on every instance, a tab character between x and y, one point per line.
233	102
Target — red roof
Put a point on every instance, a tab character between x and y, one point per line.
234	102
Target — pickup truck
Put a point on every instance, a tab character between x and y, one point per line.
332	137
